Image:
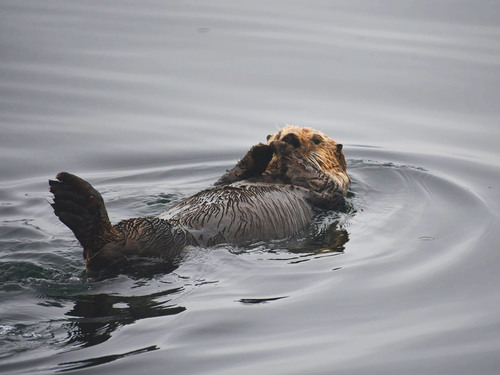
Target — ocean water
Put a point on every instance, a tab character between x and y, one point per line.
152	101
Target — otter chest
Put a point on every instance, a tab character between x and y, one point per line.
240	213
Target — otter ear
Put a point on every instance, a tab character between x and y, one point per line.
339	147
269	136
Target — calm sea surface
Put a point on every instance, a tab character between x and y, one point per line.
152	101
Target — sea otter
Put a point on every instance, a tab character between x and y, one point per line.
271	193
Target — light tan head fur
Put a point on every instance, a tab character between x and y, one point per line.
315	150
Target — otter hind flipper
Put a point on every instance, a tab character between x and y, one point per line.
81	208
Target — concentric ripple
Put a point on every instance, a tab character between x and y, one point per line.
409	223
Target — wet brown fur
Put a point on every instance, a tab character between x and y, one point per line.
296	156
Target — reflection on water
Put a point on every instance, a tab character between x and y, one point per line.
77	365
260	300
323	236
152	101
95	317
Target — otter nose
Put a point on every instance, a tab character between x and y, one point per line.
291	139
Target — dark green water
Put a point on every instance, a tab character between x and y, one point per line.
152	101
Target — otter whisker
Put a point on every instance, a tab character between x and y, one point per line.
313	159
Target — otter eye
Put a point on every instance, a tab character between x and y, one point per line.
316	140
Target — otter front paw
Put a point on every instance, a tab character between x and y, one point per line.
253	164
260	156
282	148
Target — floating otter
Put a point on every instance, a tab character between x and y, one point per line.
271	193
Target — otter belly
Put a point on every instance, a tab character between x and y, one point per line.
239	213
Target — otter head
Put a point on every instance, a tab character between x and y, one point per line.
312	150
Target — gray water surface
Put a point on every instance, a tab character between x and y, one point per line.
152	101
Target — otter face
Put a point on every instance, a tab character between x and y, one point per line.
313	147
